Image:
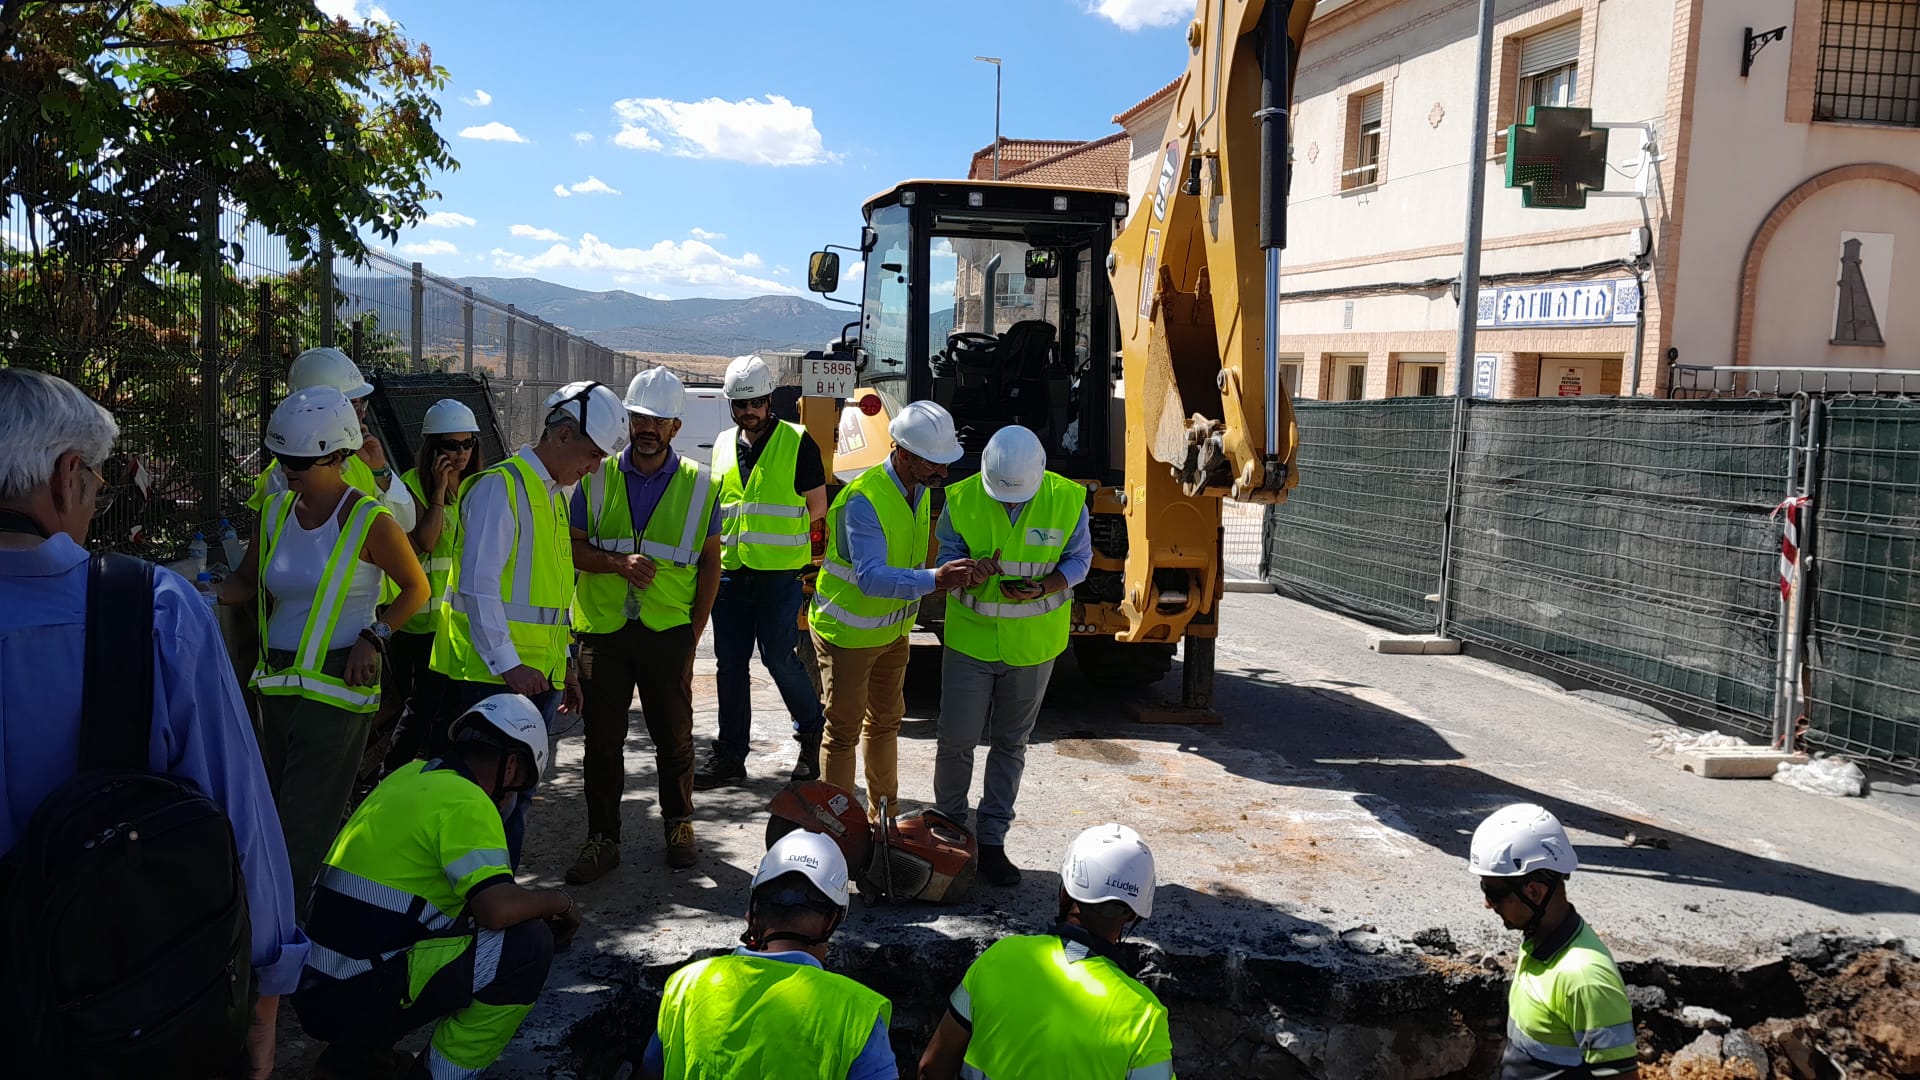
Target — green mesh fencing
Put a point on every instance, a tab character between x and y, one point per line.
1628	543
1864	654
1362	533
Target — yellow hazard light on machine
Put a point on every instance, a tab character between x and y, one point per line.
976	199
1060	204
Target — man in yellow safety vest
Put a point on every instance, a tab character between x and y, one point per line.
869	588
504	620
770	1010
773	494
1058	1004
1026	531
646	540
1568	1013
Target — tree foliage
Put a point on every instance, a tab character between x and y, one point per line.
117	117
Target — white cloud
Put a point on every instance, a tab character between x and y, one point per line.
782	269
1136	14
350	11
492	131
431	247
447	219
583	137
479	99
686	266
768	131
702	234
534	232
592	185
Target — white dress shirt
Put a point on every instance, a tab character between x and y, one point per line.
486	537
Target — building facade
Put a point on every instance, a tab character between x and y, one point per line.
1768	218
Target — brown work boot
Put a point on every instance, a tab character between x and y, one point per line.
680	849
597	856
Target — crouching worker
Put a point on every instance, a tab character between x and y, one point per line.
1057	1004
771	1010
416	918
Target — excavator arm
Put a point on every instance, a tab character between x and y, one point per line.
1195	282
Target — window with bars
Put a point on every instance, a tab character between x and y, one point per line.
1869	62
1367	120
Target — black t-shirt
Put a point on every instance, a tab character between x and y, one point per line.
808	472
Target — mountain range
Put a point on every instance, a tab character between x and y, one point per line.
633	323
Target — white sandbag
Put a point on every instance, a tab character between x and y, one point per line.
1824	776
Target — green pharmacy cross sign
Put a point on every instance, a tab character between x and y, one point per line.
1556	158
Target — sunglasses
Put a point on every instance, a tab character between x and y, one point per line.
296	464
454	446
1496	891
753	403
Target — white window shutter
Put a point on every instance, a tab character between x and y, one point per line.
1370	108
1550	49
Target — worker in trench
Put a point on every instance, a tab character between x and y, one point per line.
1568	1014
1058	1004
771	1010
1025	531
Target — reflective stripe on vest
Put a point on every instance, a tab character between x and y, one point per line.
843	615
763	523
987	624
1541	1012
437	562
676	533
1042	1006
304	677
753	1016
536	584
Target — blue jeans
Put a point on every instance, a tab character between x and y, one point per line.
465	695
763	606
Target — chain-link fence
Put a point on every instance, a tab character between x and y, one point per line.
1635	545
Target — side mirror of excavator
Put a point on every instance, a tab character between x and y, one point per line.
1043	263
823	272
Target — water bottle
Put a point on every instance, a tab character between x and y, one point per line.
208	594
230	546
197	553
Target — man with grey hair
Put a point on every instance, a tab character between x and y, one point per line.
511	591
53	441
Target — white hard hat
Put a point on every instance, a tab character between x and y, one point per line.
313	423
747	377
1518	839
1013	464
328	366
514	717
448	417
813	856
657	391
1110	862
926	429
599	411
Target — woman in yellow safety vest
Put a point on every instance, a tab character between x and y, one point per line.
319	557
448	457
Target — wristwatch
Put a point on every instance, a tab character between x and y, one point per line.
381	630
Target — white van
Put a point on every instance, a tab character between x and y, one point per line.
706	415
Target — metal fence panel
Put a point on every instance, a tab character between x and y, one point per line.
1628	543
1362	533
1864	682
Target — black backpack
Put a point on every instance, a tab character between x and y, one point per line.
125	950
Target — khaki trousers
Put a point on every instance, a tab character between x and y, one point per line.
864	694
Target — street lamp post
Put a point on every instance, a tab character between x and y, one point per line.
995	61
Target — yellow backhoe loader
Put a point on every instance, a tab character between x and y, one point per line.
1137	342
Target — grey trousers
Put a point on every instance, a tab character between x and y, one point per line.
1001	701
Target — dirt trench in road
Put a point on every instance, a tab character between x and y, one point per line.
1369	1008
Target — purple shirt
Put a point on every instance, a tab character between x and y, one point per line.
643	494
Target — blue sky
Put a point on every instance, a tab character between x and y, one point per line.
703	149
